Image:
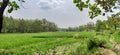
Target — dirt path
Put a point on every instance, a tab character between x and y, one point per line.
116	46
104	51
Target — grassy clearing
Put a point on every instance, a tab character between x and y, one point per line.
29	43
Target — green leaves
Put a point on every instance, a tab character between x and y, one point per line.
21	0
87	1
81	4
94	11
10	10
96	7
13	6
76	1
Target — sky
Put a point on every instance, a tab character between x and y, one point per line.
61	12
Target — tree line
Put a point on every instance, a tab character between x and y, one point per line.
112	24
11	25
90	26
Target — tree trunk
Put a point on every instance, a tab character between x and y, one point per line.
2	8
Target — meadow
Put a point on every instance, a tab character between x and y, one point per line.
28	43
55	43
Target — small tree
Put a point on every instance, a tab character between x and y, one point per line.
90	26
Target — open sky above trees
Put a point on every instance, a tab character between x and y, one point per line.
62	12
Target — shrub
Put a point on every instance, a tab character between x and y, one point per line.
100	33
97	41
82	49
76	36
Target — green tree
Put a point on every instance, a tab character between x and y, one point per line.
99	25
12	6
90	26
12	25
82	28
113	22
97	7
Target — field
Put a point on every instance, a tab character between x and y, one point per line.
54	43
38	42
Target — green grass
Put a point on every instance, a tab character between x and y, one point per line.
116	36
64	34
28	43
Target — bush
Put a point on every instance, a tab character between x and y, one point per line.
112	31
76	36
97	41
100	33
82	49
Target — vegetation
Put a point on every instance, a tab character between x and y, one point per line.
20	38
11	25
42	37
12	6
29	43
98	7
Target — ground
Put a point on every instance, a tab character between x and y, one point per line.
60	43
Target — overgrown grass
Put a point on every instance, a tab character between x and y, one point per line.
90	45
28	43
116	36
65	34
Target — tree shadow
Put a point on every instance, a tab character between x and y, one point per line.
51	37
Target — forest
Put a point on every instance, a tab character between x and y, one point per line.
12	25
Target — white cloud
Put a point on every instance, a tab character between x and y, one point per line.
49	4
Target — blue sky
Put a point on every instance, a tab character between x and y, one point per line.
62	12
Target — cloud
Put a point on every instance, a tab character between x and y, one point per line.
49	4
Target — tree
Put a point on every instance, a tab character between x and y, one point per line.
11	25
99	7
99	25
113	22
12	6
82	28
90	26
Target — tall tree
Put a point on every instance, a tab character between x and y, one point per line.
12	6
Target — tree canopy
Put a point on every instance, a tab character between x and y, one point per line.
12	5
97	7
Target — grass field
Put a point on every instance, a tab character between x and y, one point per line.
29	43
58	43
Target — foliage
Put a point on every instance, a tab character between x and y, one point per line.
82	49
65	34
88	27
13	5
26	44
100	26
97	7
117	36
11	25
96	42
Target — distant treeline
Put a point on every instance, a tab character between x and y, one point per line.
12	25
88	27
